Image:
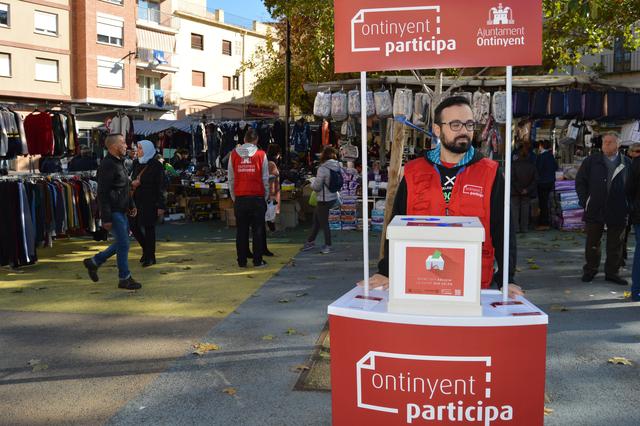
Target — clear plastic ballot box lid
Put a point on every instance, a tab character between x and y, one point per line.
435	265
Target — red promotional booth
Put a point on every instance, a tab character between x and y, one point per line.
470	356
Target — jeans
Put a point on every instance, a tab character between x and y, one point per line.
120	247
615	240
321	222
249	213
635	273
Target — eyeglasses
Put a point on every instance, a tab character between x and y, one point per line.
456	125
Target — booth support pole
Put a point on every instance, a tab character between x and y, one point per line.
365	184
507	187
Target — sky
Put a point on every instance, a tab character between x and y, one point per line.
250	9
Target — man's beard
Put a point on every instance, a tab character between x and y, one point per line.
456	148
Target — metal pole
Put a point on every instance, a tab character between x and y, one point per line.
507	187
365	184
287	92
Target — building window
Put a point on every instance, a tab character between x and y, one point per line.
5	65
149	11
110	31
226	83
110	73
226	47
237	48
197	41
4	15
197	78
236	82
46	70
45	23
621	57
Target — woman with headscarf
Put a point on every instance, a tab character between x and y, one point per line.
148	192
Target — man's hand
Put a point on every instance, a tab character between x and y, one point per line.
133	212
515	290
377	281
107	226
160	212
135	184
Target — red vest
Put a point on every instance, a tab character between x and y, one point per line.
247	174
471	196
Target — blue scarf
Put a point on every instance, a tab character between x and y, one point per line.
149	151
434	156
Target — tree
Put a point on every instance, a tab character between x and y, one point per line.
572	29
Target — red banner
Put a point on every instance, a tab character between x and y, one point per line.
378	35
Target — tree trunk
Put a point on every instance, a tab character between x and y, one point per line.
395	176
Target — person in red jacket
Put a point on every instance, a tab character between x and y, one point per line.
455	180
248	171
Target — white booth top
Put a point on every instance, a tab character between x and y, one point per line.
441	228
518	312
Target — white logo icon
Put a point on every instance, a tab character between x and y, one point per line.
435	261
500	15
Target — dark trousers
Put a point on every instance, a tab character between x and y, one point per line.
615	242
249	213
520	205
146	237
321	222
544	189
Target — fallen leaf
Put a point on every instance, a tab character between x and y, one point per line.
37	365
620	360
548	411
547	399
283	301
531	260
306	294
290	331
268	337
202	348
534	266
627	294
230	391
300	367
559	308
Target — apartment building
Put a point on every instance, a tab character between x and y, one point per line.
211	50
35	51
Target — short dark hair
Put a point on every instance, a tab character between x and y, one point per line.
112	138
328	153
251	136
546	144
446	103
273	151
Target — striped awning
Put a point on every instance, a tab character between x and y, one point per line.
155	41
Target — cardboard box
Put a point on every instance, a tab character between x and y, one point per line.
435	265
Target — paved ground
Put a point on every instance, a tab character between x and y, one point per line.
589	323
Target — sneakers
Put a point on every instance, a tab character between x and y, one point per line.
92	269
617	279
308	246
260	265
129	284
587	277
326	250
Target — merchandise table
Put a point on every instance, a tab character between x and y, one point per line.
398	369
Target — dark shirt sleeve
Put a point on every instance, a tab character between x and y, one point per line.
496	227
105	178
399	209
582	182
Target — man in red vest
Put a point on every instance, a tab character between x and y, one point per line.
249	187
455	180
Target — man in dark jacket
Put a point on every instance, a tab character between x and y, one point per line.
546	166
633	194
115	203
454	164
600	184
523	189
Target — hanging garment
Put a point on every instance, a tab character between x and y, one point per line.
521	103
421	109
322	105
339	106
540	104
354	107
384	105
555	107
39	132
481	106
572	103
499	107
403	103
615	105
592	105
633	105
301	137
371	104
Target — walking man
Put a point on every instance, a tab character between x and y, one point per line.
115	203
248	170
600	184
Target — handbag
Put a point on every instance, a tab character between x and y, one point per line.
313	199
132	191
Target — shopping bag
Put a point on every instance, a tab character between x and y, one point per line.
313	199
270	214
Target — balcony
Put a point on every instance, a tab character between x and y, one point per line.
626	62
158	98
155	60
154	18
